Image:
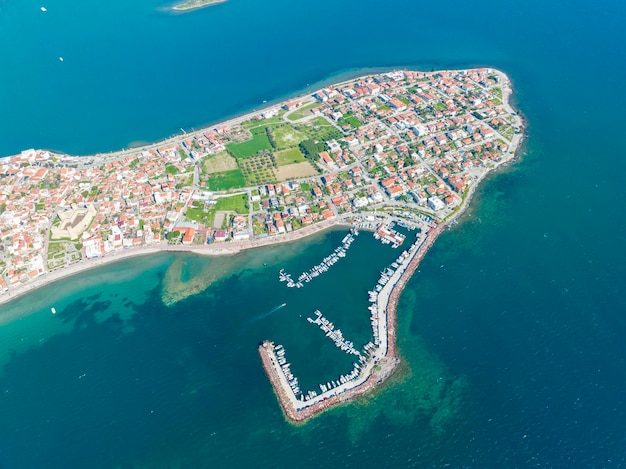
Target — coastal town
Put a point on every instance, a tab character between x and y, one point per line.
402	142
402	148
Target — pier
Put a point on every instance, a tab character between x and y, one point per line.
322	267
334	334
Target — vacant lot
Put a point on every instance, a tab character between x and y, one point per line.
234	203
250	147
218	163
287	137
226	180
294	171
351	121
261	123
198	212
304	111
291	156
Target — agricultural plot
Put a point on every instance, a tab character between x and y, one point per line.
218	163
258	169
295	171
321	130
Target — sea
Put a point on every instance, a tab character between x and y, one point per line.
511	332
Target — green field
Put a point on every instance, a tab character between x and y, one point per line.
226	180
234	203
290	156
351	121
197	213
200	214
171	169
287	137
250	147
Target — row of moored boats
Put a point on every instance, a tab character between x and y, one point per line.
334	334
324	266
285	366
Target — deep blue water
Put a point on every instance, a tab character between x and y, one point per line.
512	330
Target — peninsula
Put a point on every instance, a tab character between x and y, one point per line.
195	4
404	147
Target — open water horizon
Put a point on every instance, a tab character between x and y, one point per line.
511	331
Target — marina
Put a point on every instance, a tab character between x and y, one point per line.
376	360
322	267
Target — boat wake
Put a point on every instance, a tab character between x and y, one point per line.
264	315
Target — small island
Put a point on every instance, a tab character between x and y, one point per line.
405	148
195	4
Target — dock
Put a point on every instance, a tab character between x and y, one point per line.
334	334
323	266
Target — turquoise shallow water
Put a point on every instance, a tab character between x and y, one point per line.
512	330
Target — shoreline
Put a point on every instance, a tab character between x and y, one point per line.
222	249
345	76
378	361
234	119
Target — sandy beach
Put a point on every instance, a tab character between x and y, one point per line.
214	249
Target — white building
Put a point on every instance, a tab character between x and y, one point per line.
435	203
